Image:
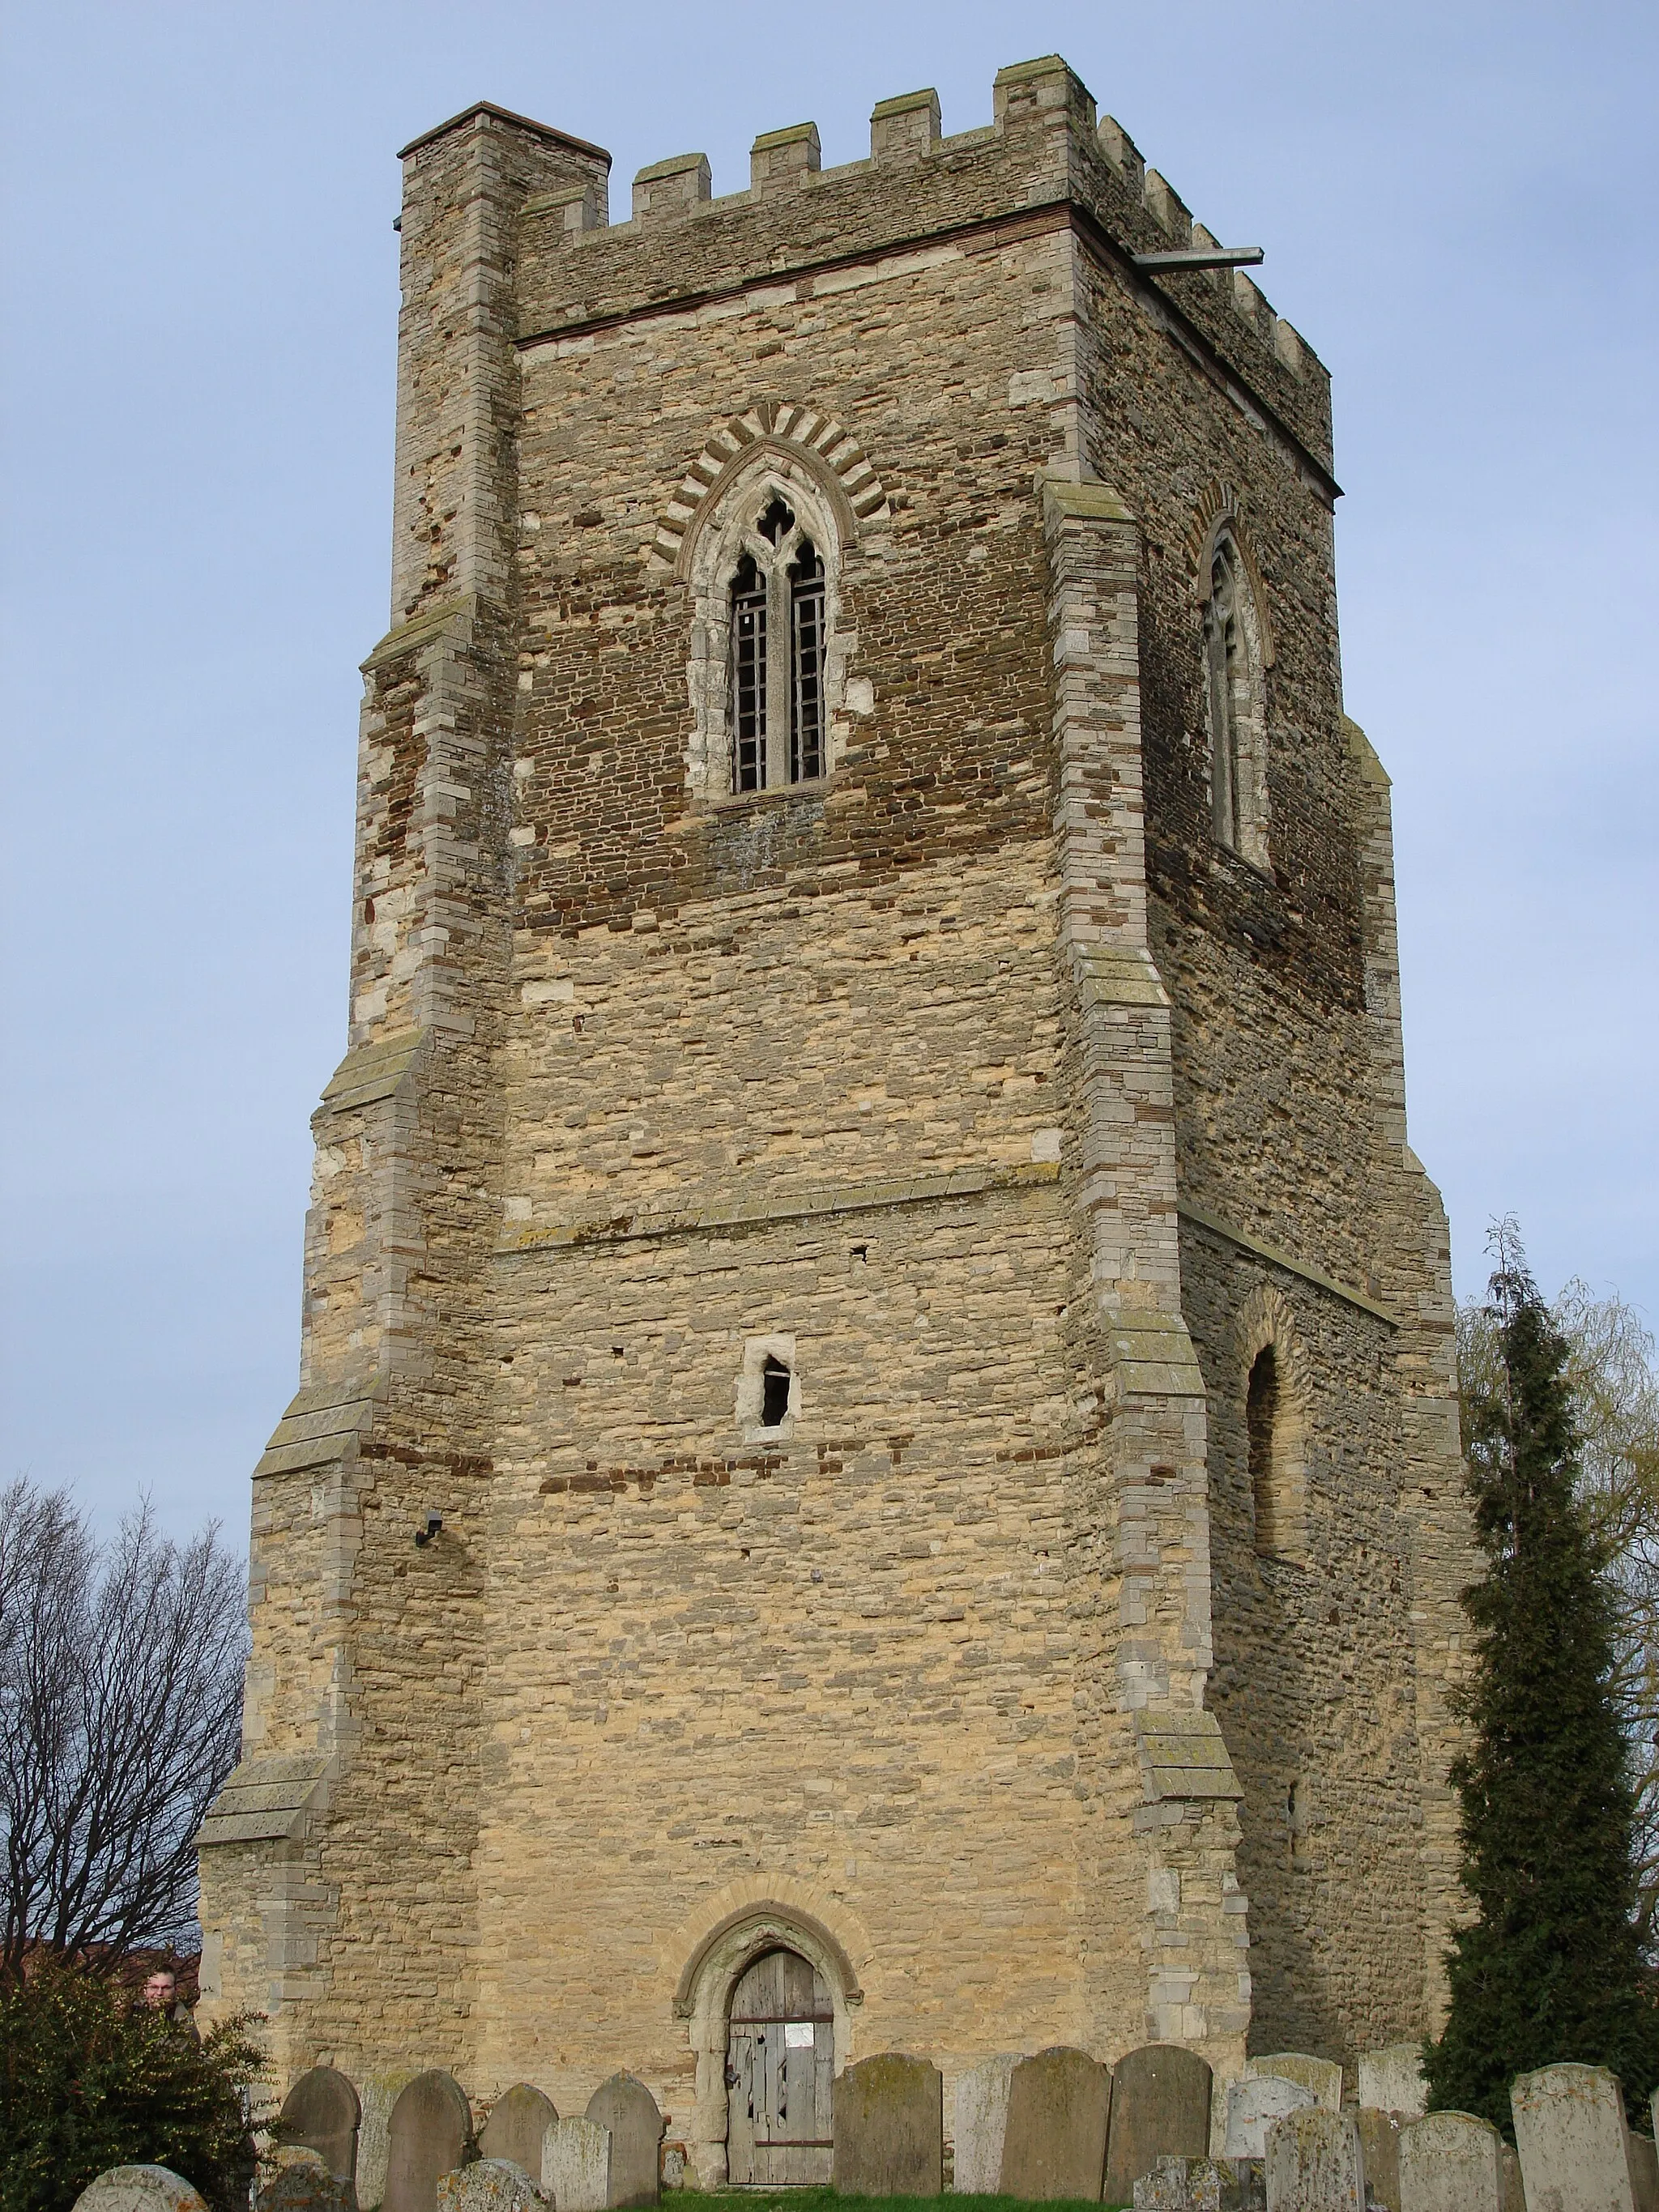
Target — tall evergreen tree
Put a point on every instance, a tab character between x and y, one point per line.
1549	1966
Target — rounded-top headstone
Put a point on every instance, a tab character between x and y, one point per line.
1450	2162
1254	2104
889	2128
428	2136
518	2121
140	2189
628	2109
1323	2076
321	2113
1053	2143
491	2184
1569	2130
1160	2109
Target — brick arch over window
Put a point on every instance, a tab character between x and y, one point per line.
811	441
1274	1401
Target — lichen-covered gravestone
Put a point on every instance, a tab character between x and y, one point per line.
1391	2081
1160	2109
1644	2173
1203	2184
139	2189
1379	2139
1450	2162
627	2108
321	2113
1060	2106
519	2120
1323	2076
1569	2130
889	2128
1315	2163
299	2180
576	2165
1254	2104
379	2092
490	2184
428	2136
979	2109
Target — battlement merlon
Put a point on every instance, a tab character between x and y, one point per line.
1045	159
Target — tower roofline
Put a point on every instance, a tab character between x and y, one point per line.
543	130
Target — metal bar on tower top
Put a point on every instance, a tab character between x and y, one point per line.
1199	257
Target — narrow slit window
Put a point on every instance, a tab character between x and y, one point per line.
748	678
1261	1423
806	671
774	1393
1221	648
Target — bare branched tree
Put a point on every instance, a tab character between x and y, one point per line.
1615	1402
120	1712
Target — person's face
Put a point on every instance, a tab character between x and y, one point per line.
160	1989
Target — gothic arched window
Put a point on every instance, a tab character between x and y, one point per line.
775	685
1232	667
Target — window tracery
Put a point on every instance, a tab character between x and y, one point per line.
775	694
1234	704
767	667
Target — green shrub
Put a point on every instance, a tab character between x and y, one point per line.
90	2079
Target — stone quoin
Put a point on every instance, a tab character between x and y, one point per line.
875	1466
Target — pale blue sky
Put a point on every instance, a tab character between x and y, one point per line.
1458	206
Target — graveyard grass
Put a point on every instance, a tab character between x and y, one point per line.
828	2200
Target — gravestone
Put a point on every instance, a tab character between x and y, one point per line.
1315	2163
1254	2104
1391	2081
1060	2106
1379	2140
491	2184
1203	2184
139	2189
517	2121
299	2179
577	2166
1644	2173
979	2111
1160	2109
1450	2162
673	2165
321	2113
627	2108
1514	2196
1569	2130
379	2092
889	2128
1323	2076
428	2135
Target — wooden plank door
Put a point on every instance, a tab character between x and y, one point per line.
780	2072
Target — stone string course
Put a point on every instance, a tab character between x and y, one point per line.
977	1077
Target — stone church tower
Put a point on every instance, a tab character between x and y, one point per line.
868	1192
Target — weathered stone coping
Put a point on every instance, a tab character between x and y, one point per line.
812	1206
1202	1219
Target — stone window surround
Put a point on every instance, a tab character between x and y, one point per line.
724	534
1266	1319
1249	704
751	1388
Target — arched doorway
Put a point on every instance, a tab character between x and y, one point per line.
780	2069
